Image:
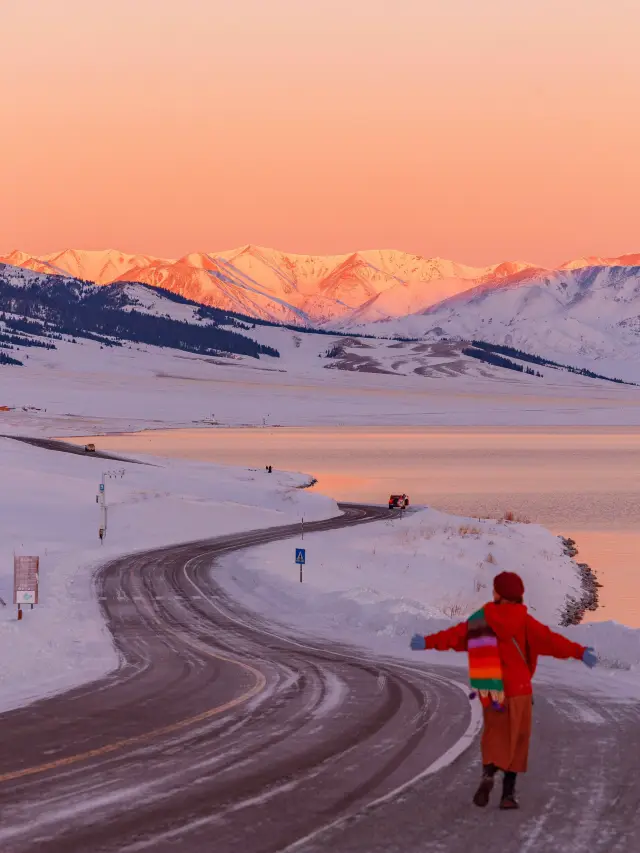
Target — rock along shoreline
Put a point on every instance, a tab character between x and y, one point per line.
575	608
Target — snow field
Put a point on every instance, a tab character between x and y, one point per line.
134	387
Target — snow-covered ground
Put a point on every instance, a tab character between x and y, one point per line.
48	508
426	566
84	389
377	585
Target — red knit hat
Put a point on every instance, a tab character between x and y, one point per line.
509	586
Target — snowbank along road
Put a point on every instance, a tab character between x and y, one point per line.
220	732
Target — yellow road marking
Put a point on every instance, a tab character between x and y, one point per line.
257	688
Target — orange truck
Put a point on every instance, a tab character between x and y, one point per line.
398	501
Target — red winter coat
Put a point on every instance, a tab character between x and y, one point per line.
512	622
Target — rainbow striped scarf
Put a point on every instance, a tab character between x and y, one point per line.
485	668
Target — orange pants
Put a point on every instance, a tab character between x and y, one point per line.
506	735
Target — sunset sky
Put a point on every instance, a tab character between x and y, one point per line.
478	130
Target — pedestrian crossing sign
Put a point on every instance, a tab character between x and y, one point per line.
300	556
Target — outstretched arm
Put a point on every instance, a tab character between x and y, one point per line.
453	639
546	642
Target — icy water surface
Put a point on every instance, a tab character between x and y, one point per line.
583	483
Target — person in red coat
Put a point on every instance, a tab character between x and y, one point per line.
521	640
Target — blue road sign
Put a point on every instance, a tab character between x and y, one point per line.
300	556
102	487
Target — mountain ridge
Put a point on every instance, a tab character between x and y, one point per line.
268	283
589	306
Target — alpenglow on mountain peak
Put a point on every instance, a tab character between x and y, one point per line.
363	286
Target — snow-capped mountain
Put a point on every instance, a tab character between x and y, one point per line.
101	267
41	311
274	285
630	260
589	312
53	321
29	262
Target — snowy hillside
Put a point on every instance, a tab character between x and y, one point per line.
590	315
39	309
404	298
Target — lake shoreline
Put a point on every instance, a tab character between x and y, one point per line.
576	608
578	482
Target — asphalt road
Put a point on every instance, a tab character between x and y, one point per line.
67	447
220	733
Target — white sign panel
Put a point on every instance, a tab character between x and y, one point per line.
24	596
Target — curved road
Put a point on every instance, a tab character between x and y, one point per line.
215	730
219	733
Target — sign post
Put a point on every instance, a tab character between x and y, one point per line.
26	576
301	559
102	500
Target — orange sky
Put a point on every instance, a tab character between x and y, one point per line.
473	129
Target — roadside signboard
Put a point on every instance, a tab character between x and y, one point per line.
301	555
26	574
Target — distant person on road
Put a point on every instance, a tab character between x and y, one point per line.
504	642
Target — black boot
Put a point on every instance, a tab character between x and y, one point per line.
481	796
509	801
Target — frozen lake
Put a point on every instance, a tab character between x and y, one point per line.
579	482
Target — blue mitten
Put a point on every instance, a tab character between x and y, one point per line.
589	658
417	643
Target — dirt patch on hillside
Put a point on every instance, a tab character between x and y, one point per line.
356	342
440	349
358	363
